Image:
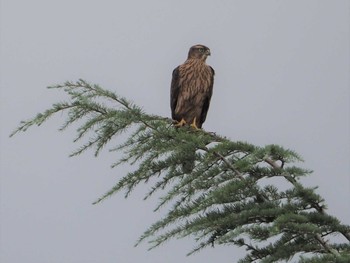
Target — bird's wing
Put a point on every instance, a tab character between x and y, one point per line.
208	97
174	91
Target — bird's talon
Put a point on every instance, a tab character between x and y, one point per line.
180	123
194	125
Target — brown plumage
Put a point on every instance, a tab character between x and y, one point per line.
192	88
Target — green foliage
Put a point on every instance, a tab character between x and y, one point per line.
228	198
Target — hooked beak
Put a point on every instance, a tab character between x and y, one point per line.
207	52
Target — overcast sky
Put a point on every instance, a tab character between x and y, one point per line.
282	76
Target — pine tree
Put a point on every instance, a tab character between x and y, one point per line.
228	198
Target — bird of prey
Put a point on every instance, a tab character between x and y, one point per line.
192	88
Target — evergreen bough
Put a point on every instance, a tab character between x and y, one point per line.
229	198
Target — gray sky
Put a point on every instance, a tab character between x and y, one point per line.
282	76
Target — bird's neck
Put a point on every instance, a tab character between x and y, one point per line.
196	61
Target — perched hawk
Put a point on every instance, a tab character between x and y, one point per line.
191	88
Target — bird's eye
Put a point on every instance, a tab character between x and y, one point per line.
201	50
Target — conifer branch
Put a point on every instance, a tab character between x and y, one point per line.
228	198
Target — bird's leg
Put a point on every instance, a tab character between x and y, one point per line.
194	125
180	123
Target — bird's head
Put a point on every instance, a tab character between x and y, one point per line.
198	52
